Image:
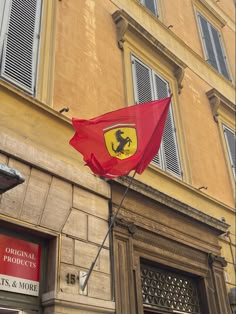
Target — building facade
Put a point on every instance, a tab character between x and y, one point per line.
172	246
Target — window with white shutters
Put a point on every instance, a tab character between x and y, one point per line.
151	5
230	143
213	46
19	42
148	86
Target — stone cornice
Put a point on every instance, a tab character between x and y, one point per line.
218	102
185	209
178	51
125	22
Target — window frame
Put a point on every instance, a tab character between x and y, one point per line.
211	26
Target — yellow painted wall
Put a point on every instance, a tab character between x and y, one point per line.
202	134
88	63
90	79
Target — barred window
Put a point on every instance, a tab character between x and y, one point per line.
166	290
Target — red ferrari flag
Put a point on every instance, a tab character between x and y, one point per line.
127	139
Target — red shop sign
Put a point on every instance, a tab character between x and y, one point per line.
19	265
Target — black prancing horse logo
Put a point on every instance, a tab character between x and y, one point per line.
122	142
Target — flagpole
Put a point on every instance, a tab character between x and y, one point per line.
83	286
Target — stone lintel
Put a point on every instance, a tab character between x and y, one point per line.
219	226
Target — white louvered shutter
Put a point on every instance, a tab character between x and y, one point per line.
143	89
149	86
169	151
230	142
2	6
213	47
2	14
21	43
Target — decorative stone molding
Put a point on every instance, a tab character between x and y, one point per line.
217	259
212	12
219	102
121	27
131	227
219	226
124	23
179	75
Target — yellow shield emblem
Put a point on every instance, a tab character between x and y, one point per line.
121	140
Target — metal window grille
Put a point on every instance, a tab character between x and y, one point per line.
168	290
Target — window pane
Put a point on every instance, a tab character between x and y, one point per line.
151	5
211	58
220	54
